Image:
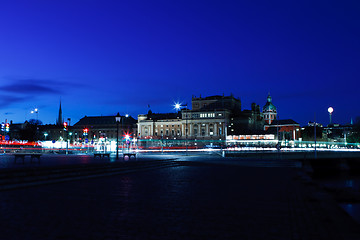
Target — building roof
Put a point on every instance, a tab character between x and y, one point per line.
103	120
217	97
269	106
282	122
162	116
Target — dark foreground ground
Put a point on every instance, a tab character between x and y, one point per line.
190	201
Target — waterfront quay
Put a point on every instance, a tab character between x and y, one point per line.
199	196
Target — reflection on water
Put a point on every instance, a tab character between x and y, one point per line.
344	181
349	183
352	209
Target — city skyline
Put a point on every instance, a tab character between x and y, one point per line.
103	58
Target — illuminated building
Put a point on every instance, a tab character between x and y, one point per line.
160	125
102	128
269	111
286	129
211	118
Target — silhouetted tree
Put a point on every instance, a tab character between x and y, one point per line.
30	131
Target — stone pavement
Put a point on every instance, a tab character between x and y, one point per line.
200	201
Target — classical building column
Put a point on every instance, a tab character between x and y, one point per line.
189	131
207	129
215	129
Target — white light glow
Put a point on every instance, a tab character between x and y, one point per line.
177	106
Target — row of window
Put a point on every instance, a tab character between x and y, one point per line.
271	116
168	125
202	132
203	115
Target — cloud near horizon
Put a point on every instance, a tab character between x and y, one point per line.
24	90
7	100
30	87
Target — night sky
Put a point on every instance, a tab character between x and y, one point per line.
104	57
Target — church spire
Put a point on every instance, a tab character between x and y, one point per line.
60	120
269	99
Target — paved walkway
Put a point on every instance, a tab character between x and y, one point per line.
200	201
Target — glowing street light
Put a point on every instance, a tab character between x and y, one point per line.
36	110
330	110
177	106
127	137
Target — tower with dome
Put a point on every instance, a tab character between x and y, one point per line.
269	111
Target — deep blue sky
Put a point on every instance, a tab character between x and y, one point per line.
104	57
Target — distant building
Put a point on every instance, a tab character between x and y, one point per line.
312	124
15	130
55	132
269	111
211	118
102	128
286	129
206	123
337	132
160	125
216	102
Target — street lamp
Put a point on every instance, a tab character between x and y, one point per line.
177	106
330	110
36	110
117	119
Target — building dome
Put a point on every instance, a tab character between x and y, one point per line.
269	107
269	111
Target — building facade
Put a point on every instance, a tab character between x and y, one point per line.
286	129
269	111
211	118
103	128
160	126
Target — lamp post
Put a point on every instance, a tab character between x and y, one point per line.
128	130
186	131
315	135
36	110
330	110
178	106
117	119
